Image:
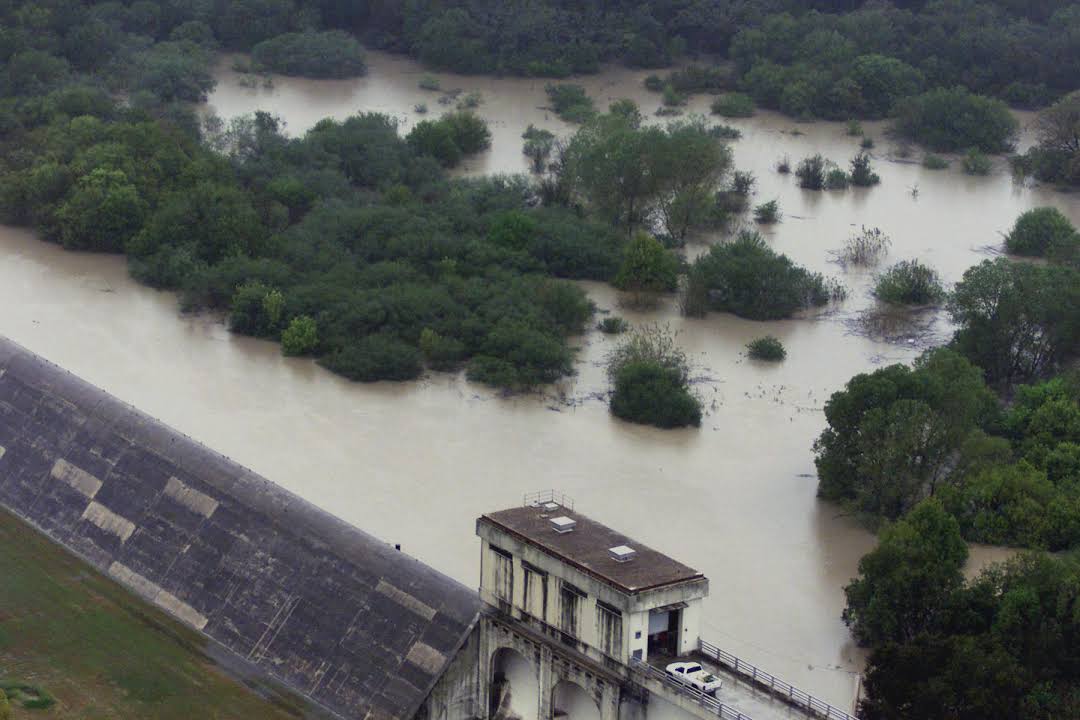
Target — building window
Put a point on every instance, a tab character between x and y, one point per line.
609	623
570	602
504	578
534	595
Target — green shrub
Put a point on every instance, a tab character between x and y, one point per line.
451	137
1043	232
613	325
862	175
694	79
813	172
672	97
976	162
768	213
470	101
867	143
570	102
649	394
441	353
650	380
300	337
854	128
538	146
837	179
934	162
647	266
947	120
909	282
468	130
655	83
256	310
725	132
332	54
866	247
373	358
733	105
783	165
766	348
430	82
747	278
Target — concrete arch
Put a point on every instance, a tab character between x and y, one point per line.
570	700
514	687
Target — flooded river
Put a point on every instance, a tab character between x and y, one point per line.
415	463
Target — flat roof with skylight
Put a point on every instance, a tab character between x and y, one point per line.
591	546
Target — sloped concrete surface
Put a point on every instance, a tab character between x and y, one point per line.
332	612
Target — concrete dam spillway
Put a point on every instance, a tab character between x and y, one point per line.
333	613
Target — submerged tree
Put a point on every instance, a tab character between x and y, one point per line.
650	379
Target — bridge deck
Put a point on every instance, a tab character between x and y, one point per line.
736	693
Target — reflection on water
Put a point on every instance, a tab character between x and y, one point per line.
415	463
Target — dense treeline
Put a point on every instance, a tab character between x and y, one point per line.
939	456
1001	646
349	243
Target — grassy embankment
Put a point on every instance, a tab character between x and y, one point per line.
102	652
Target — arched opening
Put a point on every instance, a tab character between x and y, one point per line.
569	700
515	687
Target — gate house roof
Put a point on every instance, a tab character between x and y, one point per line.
587	548
332	612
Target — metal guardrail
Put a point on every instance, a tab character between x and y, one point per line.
775	685
545	496
706	701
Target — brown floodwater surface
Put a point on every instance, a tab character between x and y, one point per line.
415	463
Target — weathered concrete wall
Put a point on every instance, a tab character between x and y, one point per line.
332	612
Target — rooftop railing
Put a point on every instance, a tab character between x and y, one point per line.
546	496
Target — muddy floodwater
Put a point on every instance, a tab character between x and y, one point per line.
415	463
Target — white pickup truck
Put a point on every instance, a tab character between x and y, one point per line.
690	673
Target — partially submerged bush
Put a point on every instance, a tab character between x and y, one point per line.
538	146
862	175
672	97
451	137
950	119
783	165
837	179
650	380
909	282
976	162
430	82
375	357
867	247
725	132
570	102
934	162
647	266
746	277
332	54
301	337
766	348
612	325
733	105
867	143
813	173
1043	232
768	212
